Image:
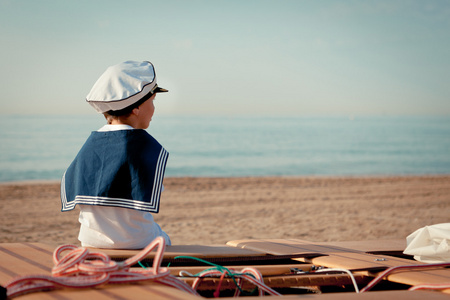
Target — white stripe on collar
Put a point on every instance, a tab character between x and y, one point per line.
109	127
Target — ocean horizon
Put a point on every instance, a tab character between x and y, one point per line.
42	147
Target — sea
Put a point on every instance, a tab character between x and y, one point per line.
41	147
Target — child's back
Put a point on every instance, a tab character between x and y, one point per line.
116	178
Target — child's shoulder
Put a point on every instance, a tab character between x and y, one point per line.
136	142
119	137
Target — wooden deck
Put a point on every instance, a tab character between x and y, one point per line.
353	256
286	265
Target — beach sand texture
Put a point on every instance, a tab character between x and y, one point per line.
212	211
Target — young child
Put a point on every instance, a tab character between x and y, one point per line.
116	178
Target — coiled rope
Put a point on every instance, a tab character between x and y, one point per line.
80	268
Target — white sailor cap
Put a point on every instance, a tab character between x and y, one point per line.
123	85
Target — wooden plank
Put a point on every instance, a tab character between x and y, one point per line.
116	292
336	256
170	252
146	291
374	246
329	255
353	259
163	293
385	295
68	294
291	246
184	255
441	276
356	261
18	259
279	247
412	277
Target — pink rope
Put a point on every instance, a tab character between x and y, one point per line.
394	269
80	268
430	287
257	280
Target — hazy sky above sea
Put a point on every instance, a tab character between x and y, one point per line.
232	57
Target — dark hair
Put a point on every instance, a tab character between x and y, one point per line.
127	110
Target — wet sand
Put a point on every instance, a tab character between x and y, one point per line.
216	210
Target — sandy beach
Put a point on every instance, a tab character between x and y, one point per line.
216	210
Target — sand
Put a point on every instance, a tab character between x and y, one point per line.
212	211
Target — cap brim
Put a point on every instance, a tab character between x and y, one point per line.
160	90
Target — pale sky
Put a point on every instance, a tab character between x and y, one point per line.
232	57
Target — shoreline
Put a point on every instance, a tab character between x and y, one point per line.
53	181
30	182
214	210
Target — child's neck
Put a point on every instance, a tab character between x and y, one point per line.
120	121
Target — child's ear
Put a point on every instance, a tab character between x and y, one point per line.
135	111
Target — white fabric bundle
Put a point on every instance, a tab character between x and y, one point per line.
430	244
